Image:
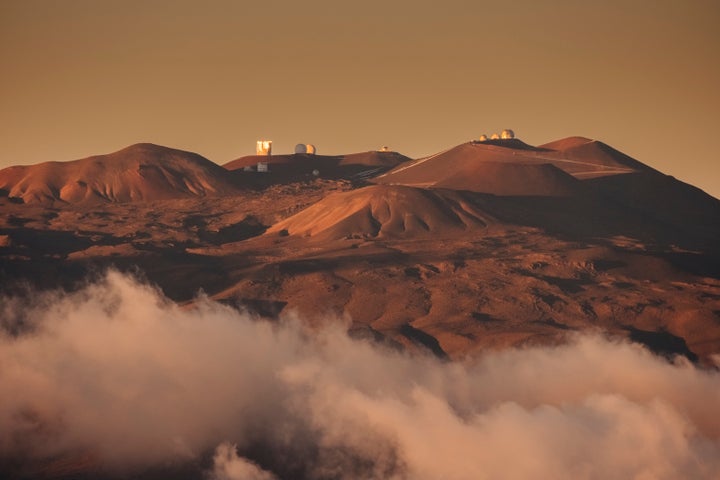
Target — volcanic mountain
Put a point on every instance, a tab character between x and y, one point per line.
139	172
485	246
511	167
487	243
386	211
591	172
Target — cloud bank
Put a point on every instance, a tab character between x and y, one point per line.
118	373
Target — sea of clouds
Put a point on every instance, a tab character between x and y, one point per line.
117	372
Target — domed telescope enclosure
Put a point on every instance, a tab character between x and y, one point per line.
483	138
494	136
507	134
305	148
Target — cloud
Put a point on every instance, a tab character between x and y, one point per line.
227	465
118	372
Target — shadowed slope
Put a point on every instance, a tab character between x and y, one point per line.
294	161
386	211
374	158
651	196
294	167
140	172
300	160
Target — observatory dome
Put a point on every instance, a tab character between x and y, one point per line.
494	136
507	134
305	148
483	138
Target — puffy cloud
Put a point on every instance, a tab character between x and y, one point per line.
227	465
119	372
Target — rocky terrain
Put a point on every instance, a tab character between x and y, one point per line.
486	247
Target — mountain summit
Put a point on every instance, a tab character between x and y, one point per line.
143	171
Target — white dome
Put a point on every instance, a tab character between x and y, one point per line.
507	134
304	148
483	138
494	136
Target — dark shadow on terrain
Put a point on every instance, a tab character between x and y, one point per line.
485	318
694	263
15	221
660	197
5	193
264	308
567	285
328	168
662	343
603	265
596	218
550	322
363	332
548	299
179	275
292	267
319	264
512	143
420	338
37	243
247	228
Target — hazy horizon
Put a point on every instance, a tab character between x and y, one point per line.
85	78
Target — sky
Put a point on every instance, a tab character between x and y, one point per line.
84	77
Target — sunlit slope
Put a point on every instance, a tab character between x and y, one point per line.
139	172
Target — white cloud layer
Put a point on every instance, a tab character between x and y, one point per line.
119	372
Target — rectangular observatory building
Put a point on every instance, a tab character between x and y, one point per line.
264	147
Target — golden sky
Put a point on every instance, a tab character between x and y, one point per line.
82	77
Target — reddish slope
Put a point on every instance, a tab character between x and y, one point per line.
566	143
514	180
139	172
374	159
519	169
386	211
486	168
587	151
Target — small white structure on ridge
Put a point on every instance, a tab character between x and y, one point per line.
264	147
483	138
494	136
